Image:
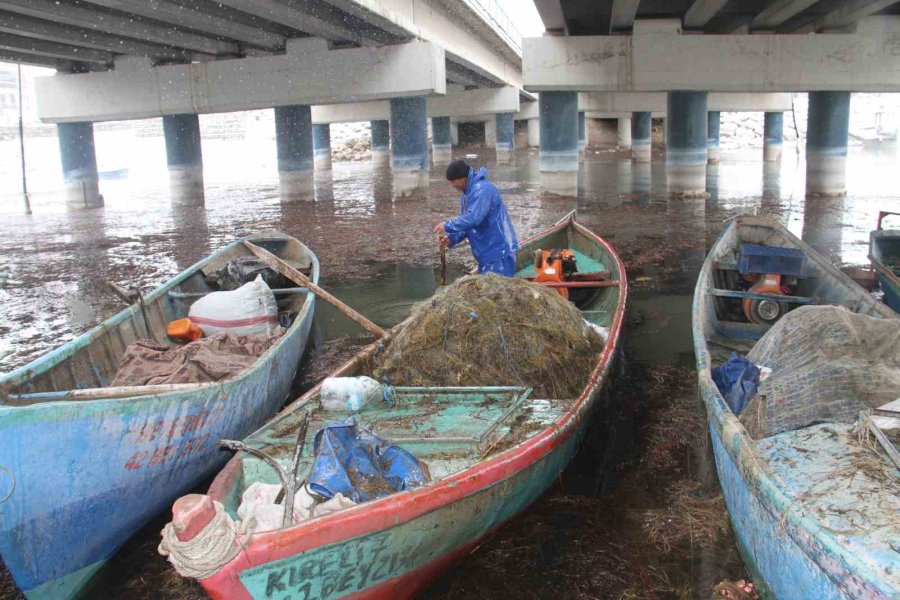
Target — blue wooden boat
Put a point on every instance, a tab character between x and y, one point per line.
80	473
491	451
791	528
884	252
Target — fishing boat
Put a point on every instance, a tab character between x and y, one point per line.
810	522
84	465
490	453
884	252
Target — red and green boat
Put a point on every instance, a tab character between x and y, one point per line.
488	461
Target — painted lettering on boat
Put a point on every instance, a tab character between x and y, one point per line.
159	431
334	572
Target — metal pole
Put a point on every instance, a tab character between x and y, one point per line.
22	145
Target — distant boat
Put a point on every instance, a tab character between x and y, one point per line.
884	252
113	174
78	476
395	546
794	538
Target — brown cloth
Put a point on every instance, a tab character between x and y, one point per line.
214	358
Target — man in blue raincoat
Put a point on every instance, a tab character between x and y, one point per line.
482	220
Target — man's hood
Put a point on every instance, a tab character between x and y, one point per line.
474	176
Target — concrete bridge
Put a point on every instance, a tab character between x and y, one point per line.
691	49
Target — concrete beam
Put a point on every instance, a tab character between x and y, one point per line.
552	16
701	11
26	45
658	58
41	61
79	16
846	15
778	12
628	102
622	16
307	74
51	32
460	104
187	16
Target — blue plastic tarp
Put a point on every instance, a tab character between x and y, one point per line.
360	465
737	381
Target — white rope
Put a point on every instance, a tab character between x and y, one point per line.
209	551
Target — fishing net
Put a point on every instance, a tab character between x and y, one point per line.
488	330
828	364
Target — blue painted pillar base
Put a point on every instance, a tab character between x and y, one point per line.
827	133
381	142
441	142
712	137
79	165
640	137
322	146
686	138
623	134
773	136
409	146
293	139
559	142
582	135
506	137
185	159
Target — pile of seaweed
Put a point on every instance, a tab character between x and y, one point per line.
488	330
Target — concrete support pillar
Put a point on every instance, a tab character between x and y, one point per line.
381	142
712	137
827	133
293	139
441	142
409	145
534	133
623	134
490	134
640	136
185	158
322	146
559	142
79	165
506	137
454	133
686	139
773	136
582	134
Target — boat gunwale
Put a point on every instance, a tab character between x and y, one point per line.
875	257
58	355
805	532
265	547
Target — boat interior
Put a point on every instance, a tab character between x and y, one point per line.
91	360
886	249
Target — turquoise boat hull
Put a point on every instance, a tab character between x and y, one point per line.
78	477
883	244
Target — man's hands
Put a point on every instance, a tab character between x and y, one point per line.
443	241
439	228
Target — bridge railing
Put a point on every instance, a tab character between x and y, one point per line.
493	14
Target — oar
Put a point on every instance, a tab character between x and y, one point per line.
297	277
443	264
132	297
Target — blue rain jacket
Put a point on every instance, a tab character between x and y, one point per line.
483	220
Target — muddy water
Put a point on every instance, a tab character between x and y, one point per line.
620	521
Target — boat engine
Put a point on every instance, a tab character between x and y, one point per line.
772	271
556	266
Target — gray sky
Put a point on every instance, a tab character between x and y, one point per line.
524	15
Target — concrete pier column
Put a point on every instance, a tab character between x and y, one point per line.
582	134
381	142
559	142
640	136
623	134
686	139
322	146
409	145
454	133
827	132
79	165
490	134
293	140
441	143
185	158
773	136
534	133
712	137
506	137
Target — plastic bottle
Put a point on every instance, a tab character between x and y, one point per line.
351	394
